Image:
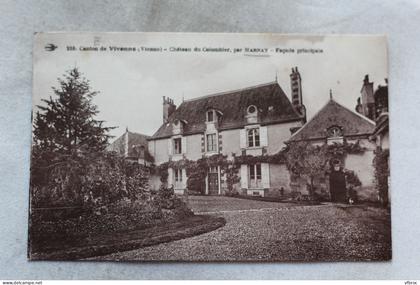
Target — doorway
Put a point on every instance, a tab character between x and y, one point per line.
338	190
213	181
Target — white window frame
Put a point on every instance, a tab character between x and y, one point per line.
178	175
214	142
255	133
255	176
174	141
212	116
252	113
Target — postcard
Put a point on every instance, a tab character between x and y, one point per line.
210	147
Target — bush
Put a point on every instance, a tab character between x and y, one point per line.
124	215
231	192
91	194
85	180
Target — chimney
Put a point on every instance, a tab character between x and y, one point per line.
358	107
296	88
368	101
366	79
168	108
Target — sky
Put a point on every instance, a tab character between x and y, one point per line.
132	83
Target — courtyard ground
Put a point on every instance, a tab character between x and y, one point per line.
270	231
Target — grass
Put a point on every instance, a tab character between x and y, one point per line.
123	241
277	199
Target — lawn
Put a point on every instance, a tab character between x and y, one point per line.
269	231
127	240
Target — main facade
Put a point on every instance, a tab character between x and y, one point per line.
253	121
259	122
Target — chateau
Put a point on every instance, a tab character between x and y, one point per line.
252	121
260	121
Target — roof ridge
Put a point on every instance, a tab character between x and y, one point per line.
136	133
331	100
356	113
231	91
313	117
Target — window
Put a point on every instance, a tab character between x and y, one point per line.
210	116
255	172
335	132
253	137
177	146
252	109
335	135
255	175
213	169
178	175
252	114
211	142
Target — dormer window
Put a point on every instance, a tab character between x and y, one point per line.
252	114
334	135
178	126
335	132
252	109
210	116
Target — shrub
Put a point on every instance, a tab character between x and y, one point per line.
231	192
124	215
381	165
86	180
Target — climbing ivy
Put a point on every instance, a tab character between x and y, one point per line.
197	170
381	165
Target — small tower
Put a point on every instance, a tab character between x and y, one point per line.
296	88
368	101
168	108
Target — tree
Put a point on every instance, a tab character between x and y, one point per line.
67	123
68	143
307	160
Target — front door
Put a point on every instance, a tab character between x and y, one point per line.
338	186
213	180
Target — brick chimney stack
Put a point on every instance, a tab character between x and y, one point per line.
168	108
296	88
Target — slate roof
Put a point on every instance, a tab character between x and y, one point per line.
271	101
334	114
382	124
135	140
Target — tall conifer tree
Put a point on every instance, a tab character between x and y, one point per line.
66	123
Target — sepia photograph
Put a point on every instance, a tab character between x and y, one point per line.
200	147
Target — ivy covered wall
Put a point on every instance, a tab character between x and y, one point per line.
286	178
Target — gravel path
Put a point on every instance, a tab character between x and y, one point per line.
269	231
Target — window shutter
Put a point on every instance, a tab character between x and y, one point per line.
184	177
170	177
244	176
220	146
242	138
265	175
263	136
170	146
184	144
203	147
